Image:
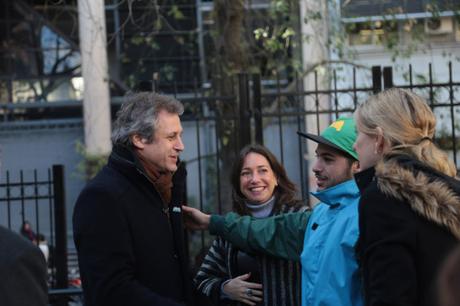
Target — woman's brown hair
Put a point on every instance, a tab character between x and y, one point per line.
285	192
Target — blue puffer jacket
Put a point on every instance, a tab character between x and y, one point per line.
329	267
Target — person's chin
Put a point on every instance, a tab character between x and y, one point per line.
256	201
322	186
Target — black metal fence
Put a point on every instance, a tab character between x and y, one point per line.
39	199
270	113
232	112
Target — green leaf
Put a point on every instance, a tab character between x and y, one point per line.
176	13
137	40
91	164
288	33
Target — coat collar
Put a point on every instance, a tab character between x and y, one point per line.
431	194
364	178
124	159
339	194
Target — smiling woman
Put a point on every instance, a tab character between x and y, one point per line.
261	188
257	180
258	167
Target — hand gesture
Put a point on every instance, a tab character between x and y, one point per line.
239	289
194	219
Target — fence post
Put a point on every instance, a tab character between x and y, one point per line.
257	105
10	98
387	77
244	121
60	227
376	79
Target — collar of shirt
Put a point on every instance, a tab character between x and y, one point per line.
339	194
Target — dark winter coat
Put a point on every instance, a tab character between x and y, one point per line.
130	253
409	220
22	270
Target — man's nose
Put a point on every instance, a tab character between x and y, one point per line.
179	146
316	166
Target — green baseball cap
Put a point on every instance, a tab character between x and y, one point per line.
341	135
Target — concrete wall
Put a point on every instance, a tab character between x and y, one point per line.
28	148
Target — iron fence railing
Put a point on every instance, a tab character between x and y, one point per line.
270	113
39	199
242	109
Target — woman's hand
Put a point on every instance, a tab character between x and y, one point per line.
194	219
239	289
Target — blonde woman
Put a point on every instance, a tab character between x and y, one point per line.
409	212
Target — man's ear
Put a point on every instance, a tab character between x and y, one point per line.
138	141
355	168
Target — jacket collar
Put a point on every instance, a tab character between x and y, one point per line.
410	163
339	194
124	159
364	178
431	194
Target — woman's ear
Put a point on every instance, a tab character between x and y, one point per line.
137	141
380	142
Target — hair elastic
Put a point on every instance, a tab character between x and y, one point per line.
425	138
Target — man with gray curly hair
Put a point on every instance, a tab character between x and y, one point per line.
127	221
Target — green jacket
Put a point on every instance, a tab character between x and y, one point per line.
280	236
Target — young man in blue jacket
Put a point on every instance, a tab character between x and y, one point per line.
324	241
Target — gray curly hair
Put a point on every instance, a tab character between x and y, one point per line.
139	115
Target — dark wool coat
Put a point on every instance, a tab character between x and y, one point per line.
408	222
22	270
130	253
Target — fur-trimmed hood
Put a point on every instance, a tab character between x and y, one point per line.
431	194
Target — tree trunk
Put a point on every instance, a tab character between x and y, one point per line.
96	99
231	58
314	51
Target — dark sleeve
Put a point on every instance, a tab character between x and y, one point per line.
106	258
25	280
213	271
387	250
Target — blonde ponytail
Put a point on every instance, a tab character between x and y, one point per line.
408	126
